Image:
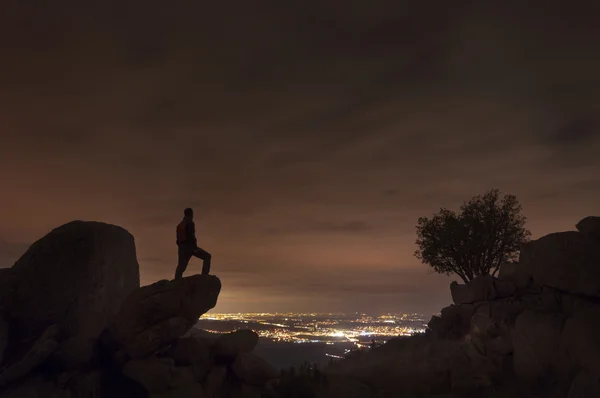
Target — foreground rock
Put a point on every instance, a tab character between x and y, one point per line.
74	323
158	314
36	355
230	345
75	277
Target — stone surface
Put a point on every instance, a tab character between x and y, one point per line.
482	288
253	369
77	277
568	261
189	390
585	385
32	387
214	381
153	374
455	321
580	342
516	274
590	226
181	376
190	351
156	315
234	343
36	355
536	338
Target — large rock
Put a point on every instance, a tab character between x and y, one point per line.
590	226
33	386
214	381
189	390
585	385
482	288
253	370
190	351
156	315
234	343
516	274
536	337
568	261
37	354
454	322
580	344
77	277
152	373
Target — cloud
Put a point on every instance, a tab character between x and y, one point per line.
305	136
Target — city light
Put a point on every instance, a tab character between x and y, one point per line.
304	328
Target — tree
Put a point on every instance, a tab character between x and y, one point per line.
488	231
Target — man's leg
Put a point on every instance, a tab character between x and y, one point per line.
205	257
182	263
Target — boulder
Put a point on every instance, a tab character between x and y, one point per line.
214	381
156	315
434	323
580	345
455	321
77	277
504	312
37	354
482	288
231	344
152	373
586	384
156	337
181	376
590	226
536	338
515	274
568	261
253	369
190	351
33	386
189	390
482	325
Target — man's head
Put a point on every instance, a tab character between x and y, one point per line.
189	213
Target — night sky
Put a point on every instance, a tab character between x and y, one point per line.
308	138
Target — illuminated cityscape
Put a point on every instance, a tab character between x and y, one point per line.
357	329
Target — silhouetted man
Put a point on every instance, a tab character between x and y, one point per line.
187	245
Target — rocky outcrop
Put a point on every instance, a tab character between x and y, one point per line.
156	315
76	277
482	288
36	355
75	323
590	226
253	370
568	261
532	332
232	344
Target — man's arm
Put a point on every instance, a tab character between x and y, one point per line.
191	233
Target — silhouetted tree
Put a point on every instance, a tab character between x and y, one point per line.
487	232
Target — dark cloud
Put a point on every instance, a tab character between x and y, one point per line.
577	132
308	136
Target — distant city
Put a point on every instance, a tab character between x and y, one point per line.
289	339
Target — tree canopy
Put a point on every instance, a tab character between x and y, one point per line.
487	232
